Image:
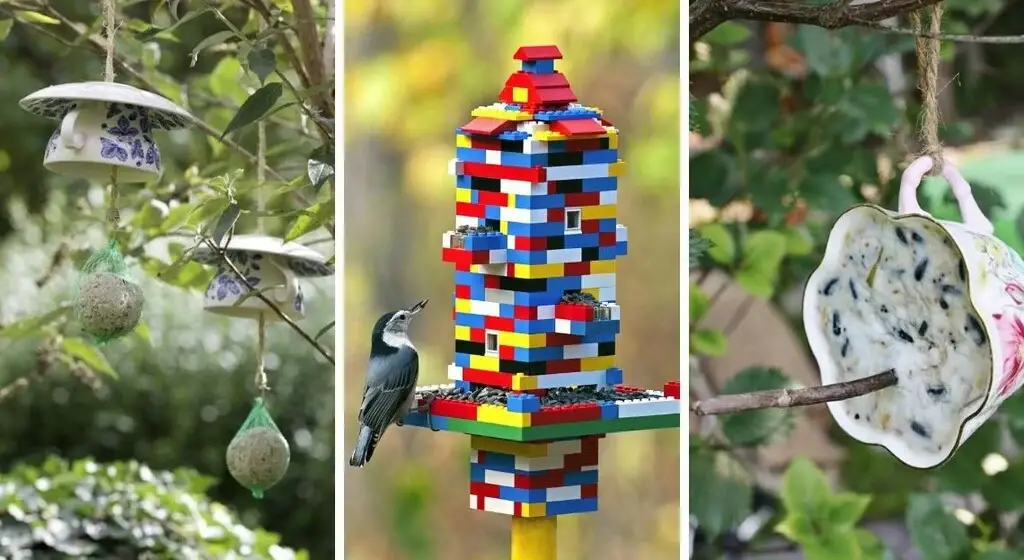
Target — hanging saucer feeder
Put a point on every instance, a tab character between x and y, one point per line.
106	130
271	266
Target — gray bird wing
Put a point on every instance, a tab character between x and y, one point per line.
389	384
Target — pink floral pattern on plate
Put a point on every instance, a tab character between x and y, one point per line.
1011	334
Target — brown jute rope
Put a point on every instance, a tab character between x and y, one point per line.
927	50
110	29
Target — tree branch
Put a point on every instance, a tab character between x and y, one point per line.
787	398
706	15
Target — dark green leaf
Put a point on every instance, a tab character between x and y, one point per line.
262	62
320	167
757	427
713	177
728	33
153	32
699	245
770	191
826	193
89	355
872	104
5	28
708	342
720	492
1005	490
756	108
315	216
723	247
936	533
254	108
826	54
217	38
226	222
963	472
34	325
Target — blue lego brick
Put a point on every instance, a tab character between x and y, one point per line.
522	326
471	279
542	354
609	410
523	495
614	376
464	385
420	420
581	240
469	320
518	256
600	184
621	248
565	507
539	201
600	156
543	229
505	463
581	328
514	135
568	114
471	155
607	252
524	402
539	66
490	241
607	225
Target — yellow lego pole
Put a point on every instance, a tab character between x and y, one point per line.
534	538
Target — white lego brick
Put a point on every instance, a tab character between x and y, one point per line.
589	468
492	157
563	326
565	447
455	167
598	280
523	188
648	407
487	308
556	380
532	146
466	221
454	372
555	256
495	269
545	312
571	172
497	256
532	127
500	296
577	351
606	294
494	505
524	215
615	311
620	233
563	493
540	463
499	478
609	197
446	239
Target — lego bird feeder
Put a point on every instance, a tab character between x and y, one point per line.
535	245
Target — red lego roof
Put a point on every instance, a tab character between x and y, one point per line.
542	52
487	126
577	127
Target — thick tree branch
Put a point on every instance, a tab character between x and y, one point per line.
787	398
706	15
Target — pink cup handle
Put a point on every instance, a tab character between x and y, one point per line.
973	219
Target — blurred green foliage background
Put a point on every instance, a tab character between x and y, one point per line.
413	73
184	381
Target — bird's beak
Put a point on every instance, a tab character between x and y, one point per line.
418	307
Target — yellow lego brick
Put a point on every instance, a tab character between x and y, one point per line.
503	226
522	382
617	169
548	136
531	271
599	212
463	195
596	363
521	340
533	510
594	109
592	291
602	267
487	268
462	305
485	363
520	95
511	202
498	414
496	113
462	333
520	448
463	141
613	140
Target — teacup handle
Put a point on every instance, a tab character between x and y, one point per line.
286	294
973	218
72	140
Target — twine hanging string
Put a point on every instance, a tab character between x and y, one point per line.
927	50
261	203
261	353
110	26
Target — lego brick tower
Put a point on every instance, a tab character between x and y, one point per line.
534	250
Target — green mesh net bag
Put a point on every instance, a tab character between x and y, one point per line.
108	303
258	455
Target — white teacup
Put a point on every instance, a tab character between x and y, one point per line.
226	294
95	136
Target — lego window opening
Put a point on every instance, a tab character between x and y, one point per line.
491	343
573	219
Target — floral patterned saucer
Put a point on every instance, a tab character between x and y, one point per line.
303	261
55	102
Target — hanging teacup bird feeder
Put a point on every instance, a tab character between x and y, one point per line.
105	136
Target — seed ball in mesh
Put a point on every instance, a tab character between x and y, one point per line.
258	457
108	305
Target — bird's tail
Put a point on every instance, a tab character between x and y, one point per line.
364	447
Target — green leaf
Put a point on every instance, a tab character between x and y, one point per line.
314	217
143	332
205	212
936	533
165	32
846	509
799	242
708	342
872	104
88	355
714	177
217	38
871	547
825	53
1005	490
805	490
699	246
723	247
797	527
34	325
254	108
720	492
177	217
226	222
262	62
963	472
727	33
699	303
762	257
832	546
35	17
757	427
5	28
756	108
320	167
324	331
826	193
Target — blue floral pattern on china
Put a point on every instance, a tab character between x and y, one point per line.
302	267
129	136
56	108
226	283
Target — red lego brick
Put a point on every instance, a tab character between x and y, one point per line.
471	210
588	491
606	239
581	144
629	389
463	258
582	199
525	312
534	82
452	408
477	335
559	339
484	490
484	143
577	268
543	479
492	281
492	171
531	243
564	414
499	198
574	312
588	226
538	52
606	122
558	215
577	127
462	291
500	324
491	378
562	366
488	126
556	96
506	352
672	389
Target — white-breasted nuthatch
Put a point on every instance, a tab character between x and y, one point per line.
390	389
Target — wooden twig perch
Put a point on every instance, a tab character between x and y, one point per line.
787	398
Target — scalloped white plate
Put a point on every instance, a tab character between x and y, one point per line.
55	101
303	261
